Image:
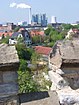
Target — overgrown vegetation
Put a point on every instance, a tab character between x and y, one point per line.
25	80
16	29
27	76
5	39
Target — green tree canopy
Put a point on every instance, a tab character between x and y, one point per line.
16	29
25	80
23	52
67	26
5	39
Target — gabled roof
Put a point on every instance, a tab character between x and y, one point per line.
15	34
43	50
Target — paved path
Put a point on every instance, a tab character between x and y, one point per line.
39	98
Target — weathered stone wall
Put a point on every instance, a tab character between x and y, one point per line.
72	76
8	88
66	57
8	83
9	64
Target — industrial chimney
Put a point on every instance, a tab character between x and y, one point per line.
30	15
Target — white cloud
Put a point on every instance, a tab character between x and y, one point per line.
13	5
21	5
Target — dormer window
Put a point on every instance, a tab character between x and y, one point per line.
20	35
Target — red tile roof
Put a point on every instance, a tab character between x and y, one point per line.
43	50
5	33
36	32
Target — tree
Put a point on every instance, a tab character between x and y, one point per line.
16	29
34	58
23	52
5	40
25	80
3	36
36	39
20	40
67	26
48	30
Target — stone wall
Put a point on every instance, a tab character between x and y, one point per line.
72	76
9	64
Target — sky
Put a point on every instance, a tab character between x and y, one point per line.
66	11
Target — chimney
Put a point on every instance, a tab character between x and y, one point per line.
29	15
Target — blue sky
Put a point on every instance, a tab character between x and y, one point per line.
64	10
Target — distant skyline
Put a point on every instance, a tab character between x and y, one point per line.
66	11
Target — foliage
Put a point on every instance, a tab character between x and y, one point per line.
67	26
23	65
25	80
3	36
44	84
36	39
53	36
50	44
5	39
34	58
20	40
76	26
16	29
23	52
49	29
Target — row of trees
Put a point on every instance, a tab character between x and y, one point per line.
52	34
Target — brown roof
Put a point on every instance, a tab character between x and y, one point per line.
36	33
43	50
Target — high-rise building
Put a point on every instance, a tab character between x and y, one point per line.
53	19
40	19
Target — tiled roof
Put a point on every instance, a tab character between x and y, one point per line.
15	34
6	33
43	50
36	32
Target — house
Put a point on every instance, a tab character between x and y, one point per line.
7	27
44	51
20	34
